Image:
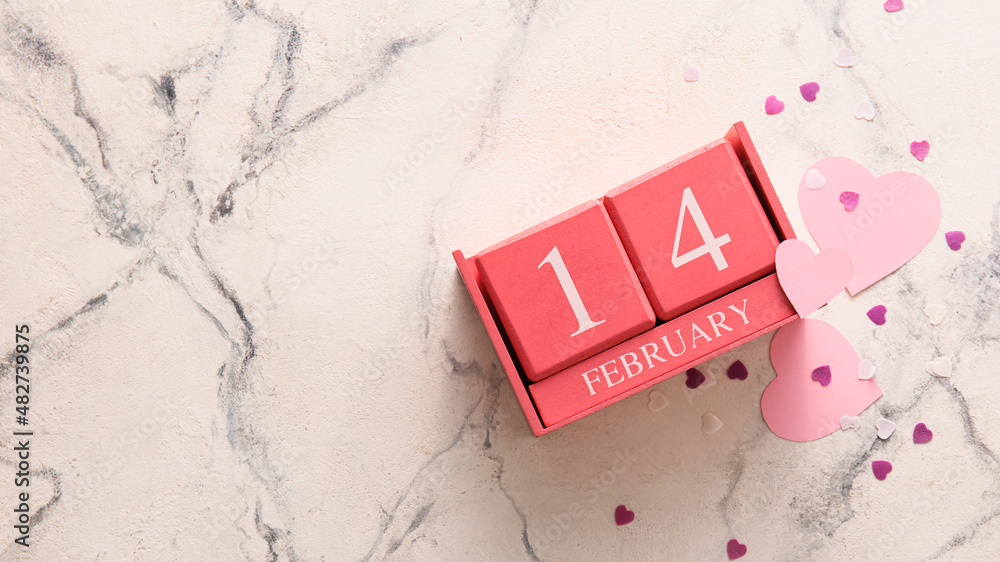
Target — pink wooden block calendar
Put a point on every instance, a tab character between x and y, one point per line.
568	305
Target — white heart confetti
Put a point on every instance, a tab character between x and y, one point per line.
814	179
936	313
657	401
940	367
865	110
866	369
885	428
691	74
844	58
710	423
849	422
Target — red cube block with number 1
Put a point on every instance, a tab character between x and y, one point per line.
694	229
565	290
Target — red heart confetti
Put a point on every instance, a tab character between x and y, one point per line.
920	149
773	106
737	371
877	314
623	516
893	5
809	91
881	469
694	378
850	200
822	375
735	549
954	239
921	434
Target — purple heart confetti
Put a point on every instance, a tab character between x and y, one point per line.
694	378
735	549
822	375
623	516
737	371
921	434
773	106
881	469
850	200
877	314
920	149
809	91
954	239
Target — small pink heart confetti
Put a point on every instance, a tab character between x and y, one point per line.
881	469
850	200
822	375
773	106
694	378
954	239
623	516
691	74
809	90
737	371
921	434
844	58
877	314
920	149
734	549
893	5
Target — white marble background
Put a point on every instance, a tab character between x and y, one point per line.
229	226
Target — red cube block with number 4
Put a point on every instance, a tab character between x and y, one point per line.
565	290
694	229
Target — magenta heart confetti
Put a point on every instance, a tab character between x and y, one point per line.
920	149
737	371
735	549
893	5
921	434
881	469
809	90
954	239
877	314
773	106
822	375
850	200
623	516
694	378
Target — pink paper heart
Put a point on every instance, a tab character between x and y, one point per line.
898	216
809	91
920	149
623	516
773	105
893	5
735	549
793	405
811	280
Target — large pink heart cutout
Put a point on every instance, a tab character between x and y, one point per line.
795	406
897	216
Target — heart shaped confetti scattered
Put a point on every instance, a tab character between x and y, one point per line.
710	423
814	179
850	200
954	239
691	74
881	469
866	369
920	149
623	516
737	371
877	314
885	428
921	434
844	58
657	401
865	110
822	375
773	106
793	405
811	280
940	367
694	378
893	5
735	549
809	91
850	422
936	313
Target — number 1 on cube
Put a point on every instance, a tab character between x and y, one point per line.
569	289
